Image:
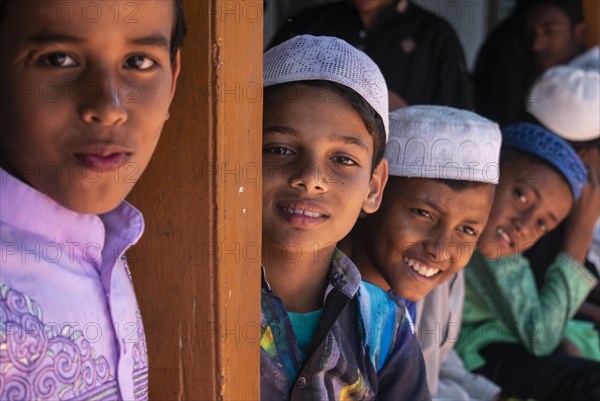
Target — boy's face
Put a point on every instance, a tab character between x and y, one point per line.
86	91
423	233
531	199
552	38
317	157
366	6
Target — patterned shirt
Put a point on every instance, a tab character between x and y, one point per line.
364	347
70	327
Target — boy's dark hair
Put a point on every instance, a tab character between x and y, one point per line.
372	120
179	27
572	8
460	185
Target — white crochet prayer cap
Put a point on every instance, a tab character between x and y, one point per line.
566	100
590	60
443	143
308	57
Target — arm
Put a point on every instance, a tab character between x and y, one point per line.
536	317
403	375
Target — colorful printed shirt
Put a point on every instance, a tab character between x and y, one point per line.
70	327
364	347
503	304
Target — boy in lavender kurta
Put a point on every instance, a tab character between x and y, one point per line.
73	141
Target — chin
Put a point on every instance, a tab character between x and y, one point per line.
91	204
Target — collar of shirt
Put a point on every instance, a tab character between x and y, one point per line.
100	239
343	275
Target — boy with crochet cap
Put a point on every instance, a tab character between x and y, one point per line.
324	333
443	165
566	99
73	142
510	327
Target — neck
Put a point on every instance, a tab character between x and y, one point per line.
368	18
354	245
298	277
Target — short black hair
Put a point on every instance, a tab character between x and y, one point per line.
572	8
372	120
461	185
179	26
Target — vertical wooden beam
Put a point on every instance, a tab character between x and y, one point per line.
591	10
197	268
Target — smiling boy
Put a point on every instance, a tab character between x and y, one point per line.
324	334
511	327
85	96
443	166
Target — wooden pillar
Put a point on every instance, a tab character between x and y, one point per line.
197	268
591	9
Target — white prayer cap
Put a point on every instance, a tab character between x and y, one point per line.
590	60
443	143
308	57
566	100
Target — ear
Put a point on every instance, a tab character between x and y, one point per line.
580	33
376	187
175	69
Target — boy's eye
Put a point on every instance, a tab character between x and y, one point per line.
139	63
62	60
345	160
520	196
543	226
468	230
279	150
423	213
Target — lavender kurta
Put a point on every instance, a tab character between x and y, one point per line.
70	326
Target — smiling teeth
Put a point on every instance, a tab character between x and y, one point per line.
504	235
421	268
303	212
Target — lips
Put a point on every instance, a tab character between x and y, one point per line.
302	213
105	157
421	268
505	238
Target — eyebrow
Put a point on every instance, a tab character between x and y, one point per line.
350	140
346	139
153	40
428	203
46	37
550	214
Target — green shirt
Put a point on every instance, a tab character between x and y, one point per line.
305	326
503	304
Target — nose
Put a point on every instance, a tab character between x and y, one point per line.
101	98
522	223
307	174
439	247
538	41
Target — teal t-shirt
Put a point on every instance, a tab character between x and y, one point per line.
305	326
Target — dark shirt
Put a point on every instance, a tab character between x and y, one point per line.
504	74
418	53
364	347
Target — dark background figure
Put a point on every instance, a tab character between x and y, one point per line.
538	35
419	53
